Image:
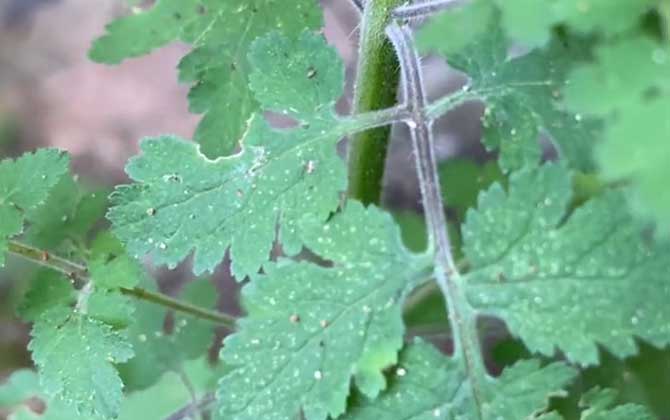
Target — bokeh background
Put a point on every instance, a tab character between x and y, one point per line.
52	95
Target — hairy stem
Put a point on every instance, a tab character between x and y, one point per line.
463	320
79	276
427	8
375	88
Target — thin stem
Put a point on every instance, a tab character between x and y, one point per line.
227	321
463	319
375	88
79	276
423	9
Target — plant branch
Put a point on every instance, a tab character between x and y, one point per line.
79	276
423	9
375	88
463	320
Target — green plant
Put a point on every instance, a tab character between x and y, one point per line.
572	255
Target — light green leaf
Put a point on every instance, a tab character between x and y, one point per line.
221	34
75	355
521	94
567	284
427	385
617	86
25	184
311	329
182	201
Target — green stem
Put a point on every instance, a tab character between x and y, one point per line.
79	276
375	88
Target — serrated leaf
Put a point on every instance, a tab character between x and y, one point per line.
311	329
158	352
182	201
221	34
521	94
567	284
531	21
25	184
427	385
632	81
75	355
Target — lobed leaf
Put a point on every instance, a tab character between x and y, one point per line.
521	93
428	385
310	329
182	201
573	284
221	33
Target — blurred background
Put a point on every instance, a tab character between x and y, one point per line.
52	95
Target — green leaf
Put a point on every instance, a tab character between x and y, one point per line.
567	284
428	385
462	180
157	351
632	81
182	201
310	329
598	406
69	213
521	94
75	355
531	21
47	289
221	34
25	184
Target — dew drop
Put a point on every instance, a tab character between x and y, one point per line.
318	375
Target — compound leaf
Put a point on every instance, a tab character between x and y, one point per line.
428	385
572	284
75	355
182	201
221	34
310	328
521	94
